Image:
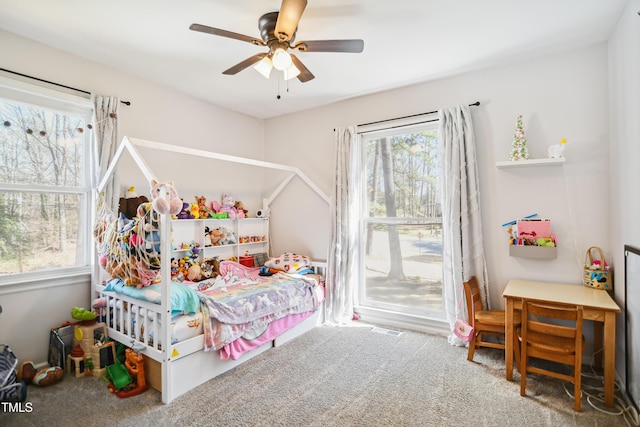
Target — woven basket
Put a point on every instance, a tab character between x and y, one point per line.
600	277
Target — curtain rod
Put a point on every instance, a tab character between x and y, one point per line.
54	83
475	104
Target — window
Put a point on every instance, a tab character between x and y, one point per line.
401	222
44	182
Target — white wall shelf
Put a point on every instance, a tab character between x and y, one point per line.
530	163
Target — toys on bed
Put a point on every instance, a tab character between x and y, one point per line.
164	197
207	269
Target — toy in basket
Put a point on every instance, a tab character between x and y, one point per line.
596	271
10	389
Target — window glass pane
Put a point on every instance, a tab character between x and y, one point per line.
401	262
402	175
40	231
40	146
403	267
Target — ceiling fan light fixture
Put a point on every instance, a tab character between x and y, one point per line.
281	59
291	72
264	67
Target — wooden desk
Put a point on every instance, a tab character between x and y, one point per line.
597	305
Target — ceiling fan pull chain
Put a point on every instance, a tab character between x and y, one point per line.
278	97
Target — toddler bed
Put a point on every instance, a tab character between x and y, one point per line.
192	332
263	311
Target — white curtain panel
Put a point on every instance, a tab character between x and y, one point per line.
342	262
463	253
105	123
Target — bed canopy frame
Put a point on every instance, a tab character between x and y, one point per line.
173	358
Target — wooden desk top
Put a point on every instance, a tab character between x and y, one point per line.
560	292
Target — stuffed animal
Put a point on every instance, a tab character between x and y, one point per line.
170	203
228	206
556	151
194	210
43	377
203	209
129	203
229	237
210	268
214	236
241	211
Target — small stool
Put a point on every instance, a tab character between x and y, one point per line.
76	364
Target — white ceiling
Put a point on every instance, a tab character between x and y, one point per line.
406	41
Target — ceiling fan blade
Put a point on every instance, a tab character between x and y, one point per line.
245	64
225	33
347	46
305	75
288	18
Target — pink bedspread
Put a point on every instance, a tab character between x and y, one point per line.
274	329
241	303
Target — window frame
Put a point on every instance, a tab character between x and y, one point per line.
39	96
385	310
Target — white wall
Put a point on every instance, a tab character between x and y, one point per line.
624	93
156	113
559	96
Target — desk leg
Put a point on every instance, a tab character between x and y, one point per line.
609	356
509	336
597	345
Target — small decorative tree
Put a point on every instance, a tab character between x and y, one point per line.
519	145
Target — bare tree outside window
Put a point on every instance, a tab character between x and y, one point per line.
402	221
43	188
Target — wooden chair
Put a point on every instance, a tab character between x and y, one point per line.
543	337
487	322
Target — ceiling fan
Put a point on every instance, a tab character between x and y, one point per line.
277	32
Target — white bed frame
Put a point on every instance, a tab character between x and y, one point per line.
185	364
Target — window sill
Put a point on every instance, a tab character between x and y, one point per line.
44	279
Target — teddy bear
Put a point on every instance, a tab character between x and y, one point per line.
170	203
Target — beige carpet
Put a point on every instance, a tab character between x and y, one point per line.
347	376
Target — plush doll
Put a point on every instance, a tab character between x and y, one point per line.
170	203
213	236
43	377
129	203
194	210
203	209
241	211
228	206
210	268
229	238
185	213
194	273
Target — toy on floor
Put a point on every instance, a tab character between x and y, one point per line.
82	314
134	363
43	377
